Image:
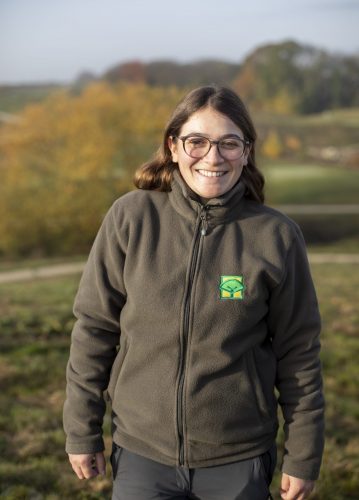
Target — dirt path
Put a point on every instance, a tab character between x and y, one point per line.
319	209
41	272
77	268
333	258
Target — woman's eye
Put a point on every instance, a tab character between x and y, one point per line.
230	144
196	141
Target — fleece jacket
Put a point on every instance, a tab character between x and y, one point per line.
195	321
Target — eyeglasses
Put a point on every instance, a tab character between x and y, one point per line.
230	148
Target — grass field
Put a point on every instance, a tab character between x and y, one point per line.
290	183
36	321
14	98
346	117
313	184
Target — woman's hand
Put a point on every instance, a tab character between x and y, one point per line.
293	488
87	466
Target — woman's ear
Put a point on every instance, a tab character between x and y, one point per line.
246	154
173	145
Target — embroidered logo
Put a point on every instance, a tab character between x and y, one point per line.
231	287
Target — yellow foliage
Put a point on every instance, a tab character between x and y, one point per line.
272	146
69	157
282	103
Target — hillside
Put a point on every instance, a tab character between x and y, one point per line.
164	73
294	78
282	78
15	97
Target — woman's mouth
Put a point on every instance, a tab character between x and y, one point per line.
211	173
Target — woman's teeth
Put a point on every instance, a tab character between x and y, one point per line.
208	173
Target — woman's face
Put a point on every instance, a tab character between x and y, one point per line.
211	175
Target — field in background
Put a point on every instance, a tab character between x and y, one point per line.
316	184
35	325
302	183
14	98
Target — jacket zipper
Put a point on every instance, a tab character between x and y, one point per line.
203	224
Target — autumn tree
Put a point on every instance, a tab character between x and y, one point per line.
272	146
68	158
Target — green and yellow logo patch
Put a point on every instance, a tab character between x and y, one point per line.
232	287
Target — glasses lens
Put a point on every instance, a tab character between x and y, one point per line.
231	149
196	146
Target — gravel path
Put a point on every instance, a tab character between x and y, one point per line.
41	272
318	209
67	269
334	258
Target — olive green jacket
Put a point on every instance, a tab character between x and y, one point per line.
188	317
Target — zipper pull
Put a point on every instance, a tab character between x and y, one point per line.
204	223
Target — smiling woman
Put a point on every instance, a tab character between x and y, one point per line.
195	304
201	121
210	171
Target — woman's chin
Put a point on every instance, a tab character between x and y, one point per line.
210	188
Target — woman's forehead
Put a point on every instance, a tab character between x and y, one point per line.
210	122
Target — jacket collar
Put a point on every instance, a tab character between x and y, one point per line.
221	209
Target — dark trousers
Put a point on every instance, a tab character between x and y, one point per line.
139	478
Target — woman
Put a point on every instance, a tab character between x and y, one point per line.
196	302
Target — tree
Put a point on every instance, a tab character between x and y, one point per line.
68	158
272	146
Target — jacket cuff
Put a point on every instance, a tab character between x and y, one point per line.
85	447
308	470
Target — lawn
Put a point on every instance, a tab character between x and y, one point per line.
14	98
36	322
313	184
310	183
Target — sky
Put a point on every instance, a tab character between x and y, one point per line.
56	40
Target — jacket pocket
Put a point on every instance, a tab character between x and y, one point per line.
115	458
261	400
116	368
268	461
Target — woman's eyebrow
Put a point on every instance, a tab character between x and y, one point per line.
225	136
199	134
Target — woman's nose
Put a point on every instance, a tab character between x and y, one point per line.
213	155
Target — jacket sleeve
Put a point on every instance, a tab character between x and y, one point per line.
294	324
95	338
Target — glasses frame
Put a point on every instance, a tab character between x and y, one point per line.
211	143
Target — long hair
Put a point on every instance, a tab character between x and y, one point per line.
157	173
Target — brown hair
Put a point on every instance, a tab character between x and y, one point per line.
157	173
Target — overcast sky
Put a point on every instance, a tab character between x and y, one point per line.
55	40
